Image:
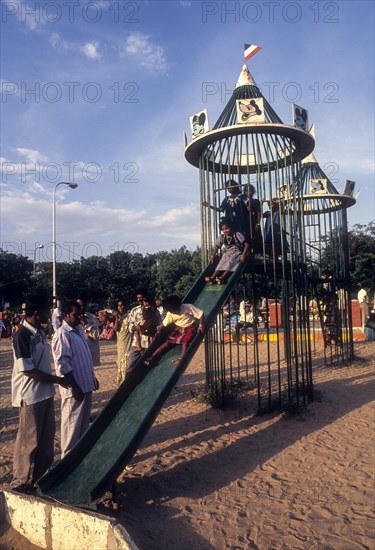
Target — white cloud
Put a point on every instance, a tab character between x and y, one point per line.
91	50
31	155
147	54
26	171
92	226
175	220
59	44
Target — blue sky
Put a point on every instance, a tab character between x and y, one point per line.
101	92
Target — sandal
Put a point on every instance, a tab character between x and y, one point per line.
220	281
209	280
176	361
149	362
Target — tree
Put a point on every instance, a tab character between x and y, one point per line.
16	277
102	280
177	271
362	255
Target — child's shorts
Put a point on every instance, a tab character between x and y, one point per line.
182	335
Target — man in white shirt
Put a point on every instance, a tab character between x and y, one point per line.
90	326
135	317
363	305
56	317
73	360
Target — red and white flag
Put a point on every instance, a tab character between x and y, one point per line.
250	50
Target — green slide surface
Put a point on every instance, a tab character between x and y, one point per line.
99	457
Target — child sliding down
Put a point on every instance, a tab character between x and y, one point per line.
235	249
183	316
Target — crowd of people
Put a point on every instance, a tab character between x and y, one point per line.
74	353
10	322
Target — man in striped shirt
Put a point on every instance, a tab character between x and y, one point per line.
73	360
33	392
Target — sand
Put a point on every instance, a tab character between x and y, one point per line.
211	479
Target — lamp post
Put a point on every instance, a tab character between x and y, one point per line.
72	186
37	248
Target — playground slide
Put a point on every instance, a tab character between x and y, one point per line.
99	457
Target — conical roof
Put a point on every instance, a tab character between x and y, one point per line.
319	197
226	148
246	88
312	171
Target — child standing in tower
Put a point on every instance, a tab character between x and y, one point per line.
233	207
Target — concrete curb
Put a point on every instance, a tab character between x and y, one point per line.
54	526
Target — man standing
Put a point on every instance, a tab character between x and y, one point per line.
56	316
33	391
363	305
73	360
91	330
135	317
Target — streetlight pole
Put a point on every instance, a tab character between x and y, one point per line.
37	248
72	186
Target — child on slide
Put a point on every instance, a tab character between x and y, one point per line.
183	316
235	249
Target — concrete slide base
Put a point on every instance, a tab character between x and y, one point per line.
54	526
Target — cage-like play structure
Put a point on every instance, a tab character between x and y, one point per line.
267	334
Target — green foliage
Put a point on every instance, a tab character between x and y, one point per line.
122	273
16	277
362	255
102	280
176	271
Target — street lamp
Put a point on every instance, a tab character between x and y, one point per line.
37	248
72	186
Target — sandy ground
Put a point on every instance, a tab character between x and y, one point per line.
212	479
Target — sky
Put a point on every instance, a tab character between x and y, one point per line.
100	92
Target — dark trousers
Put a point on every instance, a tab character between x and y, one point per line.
365	312
133	357
34	442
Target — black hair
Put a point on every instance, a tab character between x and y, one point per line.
150	299
172	303
37	302
225	221
142	291
251	187
67	307
231	183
